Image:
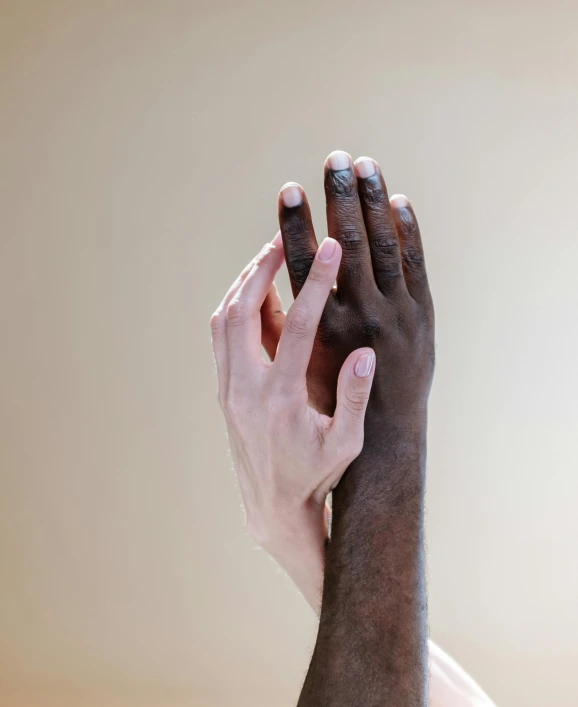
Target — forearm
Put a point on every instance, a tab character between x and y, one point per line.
304	565
372	643
303	559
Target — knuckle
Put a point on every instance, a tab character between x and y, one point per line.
297	323
216	322
351	238
370	326
371	331
413	257
386	245
295	228
341	184
387	260
329	335
374	194
236	312
299	263
354	401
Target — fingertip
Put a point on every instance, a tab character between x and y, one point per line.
365	364
365	167
291	195
338	160
327	250
399	201
353	391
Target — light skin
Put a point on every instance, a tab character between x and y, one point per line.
288	456
381	299
302	556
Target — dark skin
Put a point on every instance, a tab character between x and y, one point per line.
371	646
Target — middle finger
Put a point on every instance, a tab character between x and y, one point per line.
346	225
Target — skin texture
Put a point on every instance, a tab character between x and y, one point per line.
283	491
371	647
291	529
287	454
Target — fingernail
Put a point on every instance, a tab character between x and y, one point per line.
364	365
278	240
291	195
339	160
364	167
326	249
399	201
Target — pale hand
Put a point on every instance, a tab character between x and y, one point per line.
287	455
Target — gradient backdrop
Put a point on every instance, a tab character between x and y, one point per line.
142	147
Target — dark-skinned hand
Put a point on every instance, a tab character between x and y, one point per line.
381	299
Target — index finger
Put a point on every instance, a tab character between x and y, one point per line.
302	320
299	240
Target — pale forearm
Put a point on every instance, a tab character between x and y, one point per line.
305	567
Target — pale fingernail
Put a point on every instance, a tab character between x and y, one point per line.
291	195
339	160
364	365
399	201
365	167
327	249
278	240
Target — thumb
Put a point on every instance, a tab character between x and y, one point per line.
353	389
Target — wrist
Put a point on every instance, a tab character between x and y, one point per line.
397	441
286	530
396	420
389	474
297	544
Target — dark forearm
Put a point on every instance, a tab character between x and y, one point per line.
372	643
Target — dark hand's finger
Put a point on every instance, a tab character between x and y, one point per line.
380	226
411	248
345	224
299	241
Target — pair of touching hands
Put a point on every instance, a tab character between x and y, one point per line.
346	361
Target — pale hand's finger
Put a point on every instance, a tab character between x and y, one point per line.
219	324
219	332
353	390
244	313
302	320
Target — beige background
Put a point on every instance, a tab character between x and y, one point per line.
142	147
